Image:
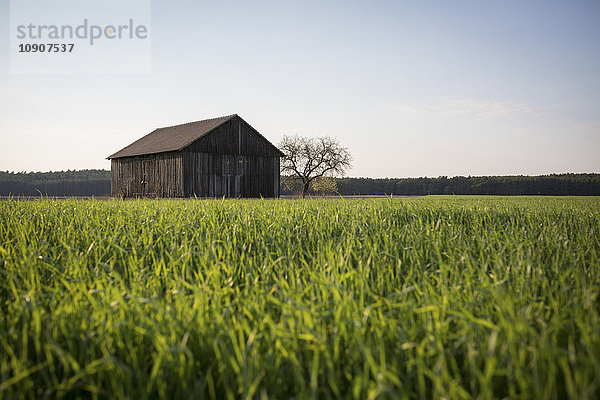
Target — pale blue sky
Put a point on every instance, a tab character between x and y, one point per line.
413	88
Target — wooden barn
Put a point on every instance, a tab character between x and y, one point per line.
215	157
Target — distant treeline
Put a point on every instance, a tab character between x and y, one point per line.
555	184
97	183
89	182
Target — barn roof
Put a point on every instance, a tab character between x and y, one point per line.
173	138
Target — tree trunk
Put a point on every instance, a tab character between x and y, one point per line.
305	188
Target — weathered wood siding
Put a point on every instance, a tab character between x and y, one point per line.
230	175
231	161
155	175
234	137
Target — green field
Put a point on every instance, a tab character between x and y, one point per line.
455	297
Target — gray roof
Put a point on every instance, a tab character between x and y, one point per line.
171	138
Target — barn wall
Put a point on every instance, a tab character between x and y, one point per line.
234	137
158	175
232	161
230	175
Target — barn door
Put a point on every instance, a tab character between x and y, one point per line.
240	176
238	180
226	185
231	185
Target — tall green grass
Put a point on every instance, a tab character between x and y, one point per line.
439	297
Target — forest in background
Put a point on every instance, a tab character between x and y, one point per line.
97	183
88	182
555	184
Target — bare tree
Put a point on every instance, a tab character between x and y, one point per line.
311	158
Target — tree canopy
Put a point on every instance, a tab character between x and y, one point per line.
307	159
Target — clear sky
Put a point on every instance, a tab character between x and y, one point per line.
413	88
